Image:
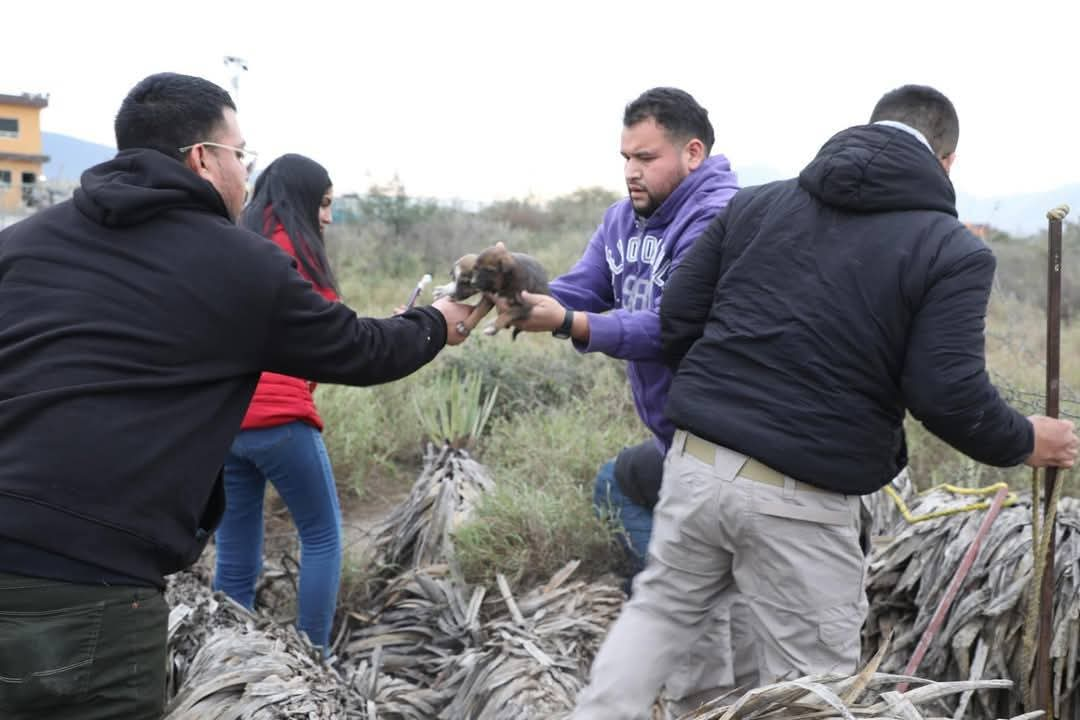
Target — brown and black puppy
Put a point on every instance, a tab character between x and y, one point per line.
461	287
501	273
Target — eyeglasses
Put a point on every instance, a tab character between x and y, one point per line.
246	157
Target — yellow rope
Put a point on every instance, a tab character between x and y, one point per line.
1041	544
1031	617
905	512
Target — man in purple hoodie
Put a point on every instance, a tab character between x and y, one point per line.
609	302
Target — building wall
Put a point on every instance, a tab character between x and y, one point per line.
29	139
12	198
28	142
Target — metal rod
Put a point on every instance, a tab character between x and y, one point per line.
954	586
1044	669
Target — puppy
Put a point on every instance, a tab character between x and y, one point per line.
461	287
499	272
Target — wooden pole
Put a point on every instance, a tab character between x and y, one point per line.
1044	668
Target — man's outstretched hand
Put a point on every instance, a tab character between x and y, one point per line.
454	312
546	313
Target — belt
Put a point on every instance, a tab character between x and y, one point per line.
752	469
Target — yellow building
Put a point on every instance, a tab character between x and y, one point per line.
20	148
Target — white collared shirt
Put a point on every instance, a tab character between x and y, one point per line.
908	129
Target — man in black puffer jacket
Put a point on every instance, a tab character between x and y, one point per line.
805	322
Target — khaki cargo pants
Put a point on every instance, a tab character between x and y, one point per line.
719	660
791	550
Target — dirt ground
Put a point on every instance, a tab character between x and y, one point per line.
358	518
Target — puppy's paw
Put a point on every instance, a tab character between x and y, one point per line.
446	290
491	328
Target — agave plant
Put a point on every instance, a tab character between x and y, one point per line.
455	410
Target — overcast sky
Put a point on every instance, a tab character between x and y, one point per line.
483	100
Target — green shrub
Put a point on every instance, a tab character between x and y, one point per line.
372	435
528	532
544	463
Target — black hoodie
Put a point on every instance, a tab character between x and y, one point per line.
815	311
134	323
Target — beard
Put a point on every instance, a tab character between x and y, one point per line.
649	206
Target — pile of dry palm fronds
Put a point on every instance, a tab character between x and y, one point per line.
868	695
426	645
982	635
473	656
536	652
226	662
415	624
833	696
417	532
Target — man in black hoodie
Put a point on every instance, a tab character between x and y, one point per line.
134	323
804	323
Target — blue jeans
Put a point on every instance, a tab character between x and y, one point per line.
292	457
636	520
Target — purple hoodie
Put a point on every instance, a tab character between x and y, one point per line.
622	275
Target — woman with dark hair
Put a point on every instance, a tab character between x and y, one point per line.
280	438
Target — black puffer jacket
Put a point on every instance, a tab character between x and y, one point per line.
134	323
815	311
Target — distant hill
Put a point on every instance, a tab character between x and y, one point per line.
1022	214
750	175
69	156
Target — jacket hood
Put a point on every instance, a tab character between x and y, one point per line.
876	168
713	175
138	184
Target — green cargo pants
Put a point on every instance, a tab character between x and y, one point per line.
80	651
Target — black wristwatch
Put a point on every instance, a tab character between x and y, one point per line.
563	331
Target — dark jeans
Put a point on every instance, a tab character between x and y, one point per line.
80	651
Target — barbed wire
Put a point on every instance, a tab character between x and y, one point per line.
1032	402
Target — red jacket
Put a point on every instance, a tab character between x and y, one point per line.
281	399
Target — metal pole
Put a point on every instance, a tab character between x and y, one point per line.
1044	670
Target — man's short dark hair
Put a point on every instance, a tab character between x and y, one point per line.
925	109
167	111
676	111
